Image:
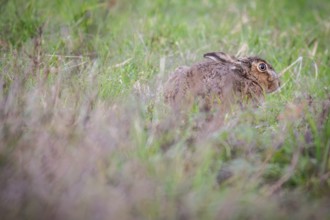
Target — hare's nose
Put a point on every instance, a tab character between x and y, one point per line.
273	76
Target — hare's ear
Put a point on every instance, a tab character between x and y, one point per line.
220	56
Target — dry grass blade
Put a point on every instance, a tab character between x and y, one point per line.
299	61
77	65
66	56
313	52
316	70
162	66
122	63
243	49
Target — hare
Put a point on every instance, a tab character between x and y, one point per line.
221	79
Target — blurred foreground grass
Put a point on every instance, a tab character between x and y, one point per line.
84	133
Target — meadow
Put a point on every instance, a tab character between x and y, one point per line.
85	133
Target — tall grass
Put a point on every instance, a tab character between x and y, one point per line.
84	132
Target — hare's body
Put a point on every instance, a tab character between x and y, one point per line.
222	79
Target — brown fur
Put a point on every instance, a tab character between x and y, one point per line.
221	79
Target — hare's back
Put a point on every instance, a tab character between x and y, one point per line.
176	85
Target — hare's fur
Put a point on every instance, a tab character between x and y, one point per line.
221	79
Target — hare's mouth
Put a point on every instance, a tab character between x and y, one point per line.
274	86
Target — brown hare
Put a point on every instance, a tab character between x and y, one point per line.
221	79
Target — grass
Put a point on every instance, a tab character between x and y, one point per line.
84	132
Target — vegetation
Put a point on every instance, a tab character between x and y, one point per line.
84	132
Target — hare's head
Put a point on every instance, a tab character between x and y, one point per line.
253	68
262	72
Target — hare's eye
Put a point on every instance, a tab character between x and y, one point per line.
262	67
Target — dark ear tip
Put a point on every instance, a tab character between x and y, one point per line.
210	55
213	56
